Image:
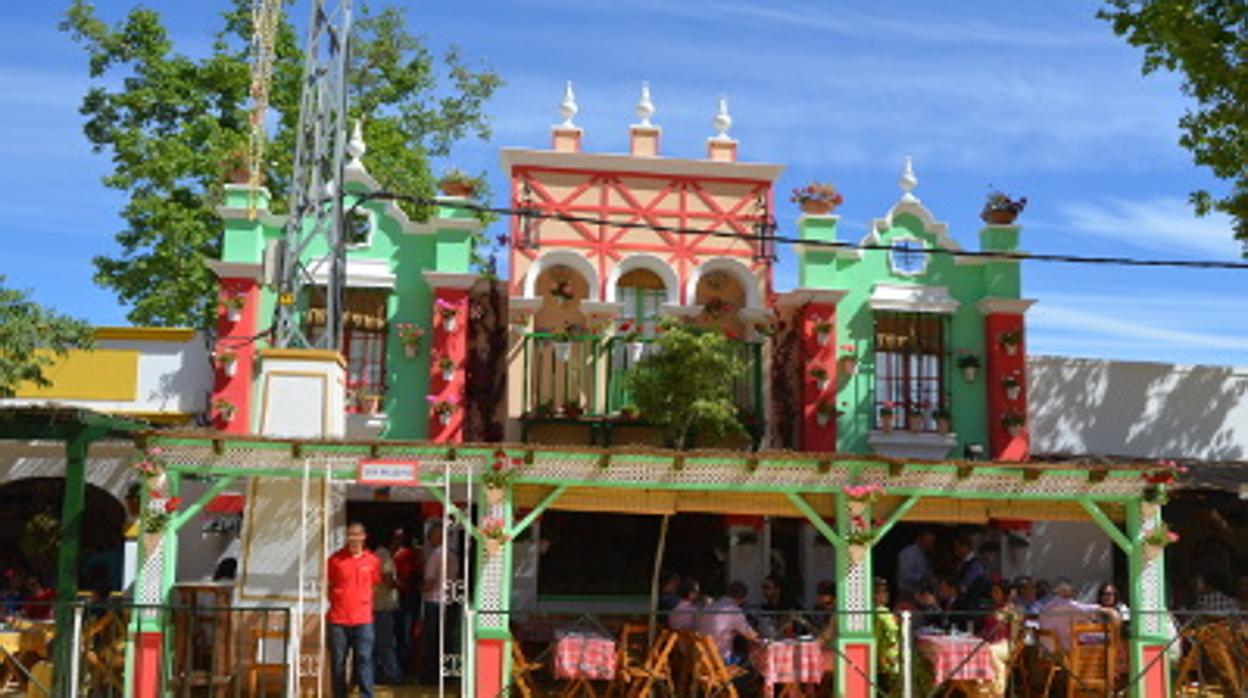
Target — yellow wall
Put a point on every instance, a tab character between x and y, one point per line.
100	374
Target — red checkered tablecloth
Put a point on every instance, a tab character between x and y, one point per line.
789	661
584	657
946	653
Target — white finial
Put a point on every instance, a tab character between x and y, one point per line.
355	146
908	182
722	121
567	108
645	108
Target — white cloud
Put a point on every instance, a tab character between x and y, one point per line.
1164	223
1047	319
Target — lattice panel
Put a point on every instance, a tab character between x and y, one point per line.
857	596
490	586
152	572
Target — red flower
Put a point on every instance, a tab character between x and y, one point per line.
498	465
171	505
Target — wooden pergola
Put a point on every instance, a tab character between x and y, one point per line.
815	486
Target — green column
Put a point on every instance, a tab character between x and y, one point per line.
1151	624
70	541
854	604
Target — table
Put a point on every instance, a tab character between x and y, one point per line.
949	654
789	662
580	658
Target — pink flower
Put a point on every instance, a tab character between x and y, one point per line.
1172	536
155	451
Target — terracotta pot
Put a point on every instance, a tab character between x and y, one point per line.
998	216
1010	349
887	421
942	425
460	189
818	208
857	553
494	496
969	373
916	423
1011	392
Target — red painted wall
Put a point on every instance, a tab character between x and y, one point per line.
452	342
1154	657
147	670
857	681
815	437
1001	363
490	654
237	337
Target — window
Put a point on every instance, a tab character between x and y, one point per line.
910	365
642	293
365	331
356	228
907	257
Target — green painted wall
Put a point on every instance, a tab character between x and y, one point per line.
967	281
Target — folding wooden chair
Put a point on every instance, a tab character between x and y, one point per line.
630	652
714	676
656	669
522	671
1092	659
1041	665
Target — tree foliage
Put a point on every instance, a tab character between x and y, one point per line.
1206	42
685	385
32	337
174	125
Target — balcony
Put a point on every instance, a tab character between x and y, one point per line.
582	380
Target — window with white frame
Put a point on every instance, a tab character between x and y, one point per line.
910	365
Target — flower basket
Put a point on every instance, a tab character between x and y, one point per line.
817	198
457	183
1000	209
563	351
857	553
1000	216
494	496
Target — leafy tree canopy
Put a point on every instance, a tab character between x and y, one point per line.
1205	41
685	385
174	125
31	339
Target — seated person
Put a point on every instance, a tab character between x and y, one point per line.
926	611
684	616
775	617
1062	611
724	622
887	637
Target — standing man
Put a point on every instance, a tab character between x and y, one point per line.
913	563
436	604
352	573
406	568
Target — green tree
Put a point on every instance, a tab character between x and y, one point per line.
174	125
1206	42
32	337
685	386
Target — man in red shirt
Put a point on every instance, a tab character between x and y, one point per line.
350	577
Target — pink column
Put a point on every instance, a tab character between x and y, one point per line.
1005	362
450	339
818	350
149	650
235	337
491	660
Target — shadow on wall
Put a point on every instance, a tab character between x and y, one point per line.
1147	410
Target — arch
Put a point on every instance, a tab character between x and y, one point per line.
650	263
728	265
565	258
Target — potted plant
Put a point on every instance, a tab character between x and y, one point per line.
572	409
1013	423
969	365
442	407
411	337
494	533
825	411
497	476
888	414
717	308
820	375
227	361
449	312
1010	340
916	419
817	198
370	402
149	466
1157	493
848	363
858	541
545	410
823	330
627	332
861	496
446	367
224	409
155	519
1012	386
561	342
942	418
630	412
233	305
1156	538
457	183
1000	209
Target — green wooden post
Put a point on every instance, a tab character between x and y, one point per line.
856	655
70	541
1150	626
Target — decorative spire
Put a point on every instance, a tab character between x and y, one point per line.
356	147
908	182
645	108
567	108
722	121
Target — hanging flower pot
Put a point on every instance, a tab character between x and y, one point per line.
409	351
969	373
234	314
857	553
822	337
822	419
446	368
563	351
493	546
1151	551
848	365
450	322
856	508
151	542
1012	389
230	367
1015	430
444	418
821	377
817	198
636	350
1148	510
494	496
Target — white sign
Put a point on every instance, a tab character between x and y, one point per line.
388	473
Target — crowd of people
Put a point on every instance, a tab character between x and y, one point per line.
24	594
386	608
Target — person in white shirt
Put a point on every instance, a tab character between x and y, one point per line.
385	613
685	615
437	608
913	563
724	621
1062	611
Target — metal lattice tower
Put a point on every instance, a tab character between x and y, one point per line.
316	188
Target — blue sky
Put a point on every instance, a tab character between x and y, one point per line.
1039	99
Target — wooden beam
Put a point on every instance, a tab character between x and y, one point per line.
815	519
1109	527
894	517
542	506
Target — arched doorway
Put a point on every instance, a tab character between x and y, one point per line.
30	513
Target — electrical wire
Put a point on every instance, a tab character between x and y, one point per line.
827	244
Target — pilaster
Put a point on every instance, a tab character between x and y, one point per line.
450	317
855	662
1005	378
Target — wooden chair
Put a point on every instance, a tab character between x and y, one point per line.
630	652
104	648
264	671
522	671
1092	660
1042	663
656	669
1212	646
712	675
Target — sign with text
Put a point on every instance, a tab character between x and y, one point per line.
383	472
